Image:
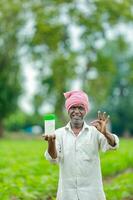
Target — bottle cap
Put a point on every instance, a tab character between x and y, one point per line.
49	117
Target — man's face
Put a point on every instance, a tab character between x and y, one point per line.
77	113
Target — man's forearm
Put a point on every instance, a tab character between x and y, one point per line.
52	150
110	138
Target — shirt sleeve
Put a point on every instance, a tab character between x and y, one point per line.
59	152
103	143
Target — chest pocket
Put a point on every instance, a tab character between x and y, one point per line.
87	150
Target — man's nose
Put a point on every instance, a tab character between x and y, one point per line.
76	110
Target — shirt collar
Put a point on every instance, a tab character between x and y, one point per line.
85	126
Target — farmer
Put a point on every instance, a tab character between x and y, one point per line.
76	148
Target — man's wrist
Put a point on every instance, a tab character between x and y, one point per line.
110	137
107	134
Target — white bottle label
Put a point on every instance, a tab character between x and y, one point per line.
49	127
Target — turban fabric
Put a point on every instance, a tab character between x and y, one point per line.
76	97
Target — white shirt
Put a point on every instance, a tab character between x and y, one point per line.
78	157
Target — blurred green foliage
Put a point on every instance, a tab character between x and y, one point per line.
10	25
43	32
19	121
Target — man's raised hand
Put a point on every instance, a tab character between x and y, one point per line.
101	122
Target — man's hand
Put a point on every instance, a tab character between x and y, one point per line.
49	138
51	145
101	122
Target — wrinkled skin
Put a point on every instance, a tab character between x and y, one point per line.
77	114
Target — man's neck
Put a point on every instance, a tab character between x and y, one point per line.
76	128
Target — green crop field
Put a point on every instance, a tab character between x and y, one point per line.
26	175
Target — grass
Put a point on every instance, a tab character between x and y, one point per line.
120	187
26	175
118	161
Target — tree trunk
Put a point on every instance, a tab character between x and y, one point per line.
1	129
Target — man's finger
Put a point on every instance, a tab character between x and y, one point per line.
96	121
53	138
49	137
93	123
45	137
104	116
107	118
99	115
97	125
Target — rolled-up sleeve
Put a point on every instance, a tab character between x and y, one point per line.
59	152
103	142
49	158
105	146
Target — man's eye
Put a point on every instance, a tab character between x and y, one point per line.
73	108
81	108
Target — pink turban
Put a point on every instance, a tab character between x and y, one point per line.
76	97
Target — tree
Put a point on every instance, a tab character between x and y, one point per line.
52	43
50	47
51	52
10	24
119	94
